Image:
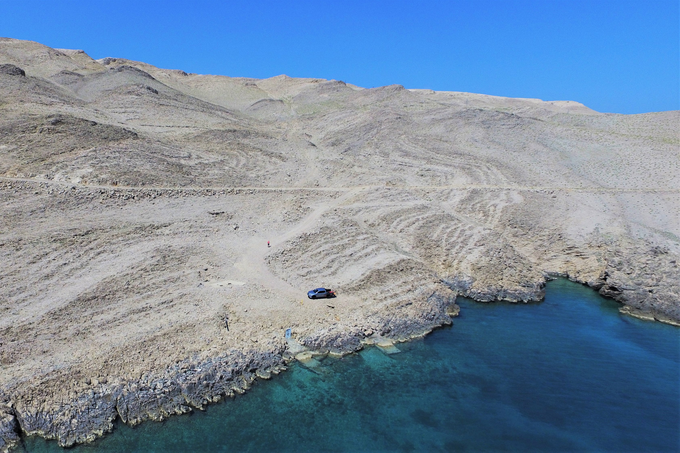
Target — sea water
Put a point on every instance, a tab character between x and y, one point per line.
566	374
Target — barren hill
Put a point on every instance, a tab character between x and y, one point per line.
137	204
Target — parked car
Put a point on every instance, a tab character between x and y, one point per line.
319	293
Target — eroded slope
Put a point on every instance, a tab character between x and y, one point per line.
137	204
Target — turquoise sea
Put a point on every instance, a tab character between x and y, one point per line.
567	374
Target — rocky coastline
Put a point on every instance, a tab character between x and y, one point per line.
189	385
160	230
193	384
637	275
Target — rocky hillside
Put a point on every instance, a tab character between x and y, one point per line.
137	204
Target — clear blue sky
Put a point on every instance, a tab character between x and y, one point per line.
612	55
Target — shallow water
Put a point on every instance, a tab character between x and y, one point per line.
567	374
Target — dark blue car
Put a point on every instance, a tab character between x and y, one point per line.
319	293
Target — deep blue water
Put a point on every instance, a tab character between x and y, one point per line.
567	374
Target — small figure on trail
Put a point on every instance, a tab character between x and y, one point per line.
268	244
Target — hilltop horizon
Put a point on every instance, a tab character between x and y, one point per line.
615	57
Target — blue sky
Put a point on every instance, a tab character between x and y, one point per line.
614	56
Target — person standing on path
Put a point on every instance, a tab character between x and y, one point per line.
268	244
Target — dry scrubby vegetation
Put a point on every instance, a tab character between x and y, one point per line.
137	204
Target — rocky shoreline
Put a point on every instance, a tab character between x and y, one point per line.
192	384
180	389
160	229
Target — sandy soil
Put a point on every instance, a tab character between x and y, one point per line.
137	204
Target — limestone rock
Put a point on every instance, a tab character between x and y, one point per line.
10	69
116	284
